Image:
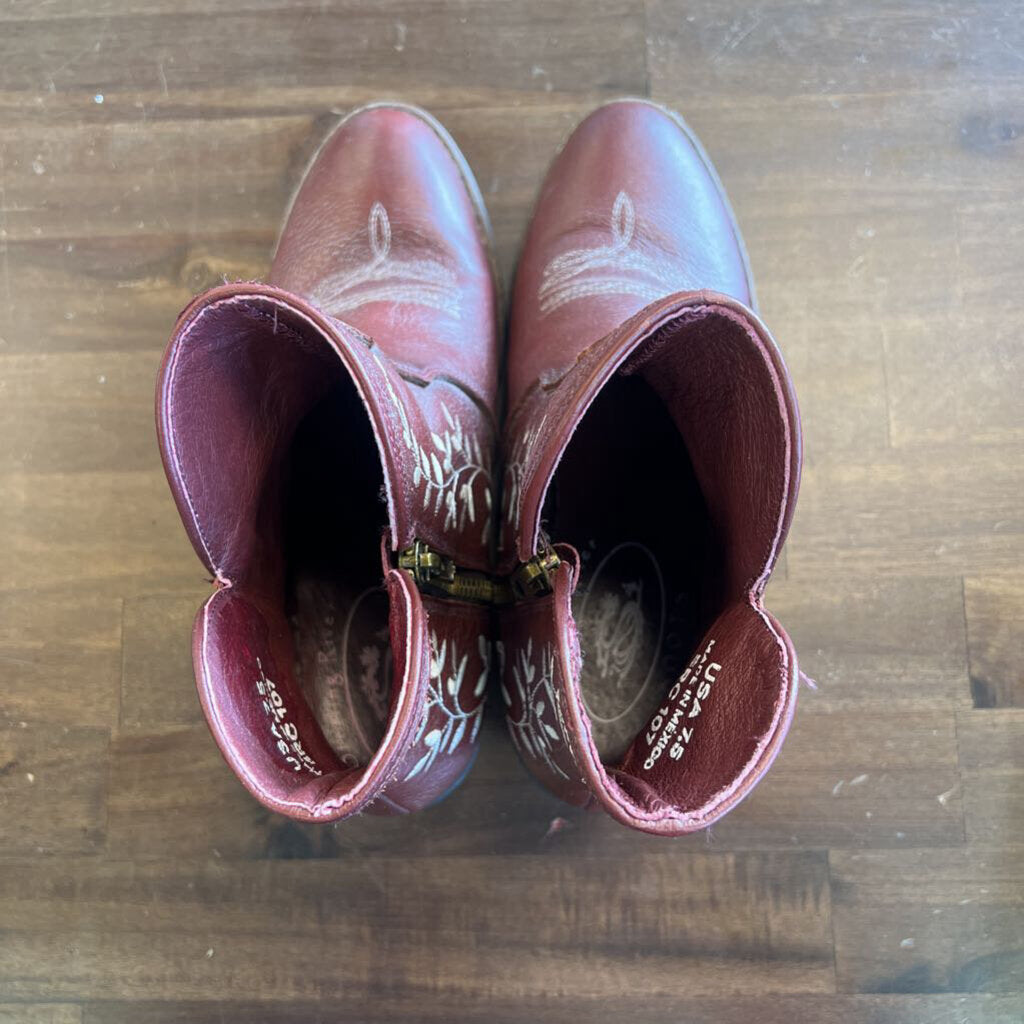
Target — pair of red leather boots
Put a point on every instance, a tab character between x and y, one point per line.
384	541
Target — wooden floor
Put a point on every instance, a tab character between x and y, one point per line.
875	156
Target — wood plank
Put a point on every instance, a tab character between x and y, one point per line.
191	176
52	790
78	412
172	795
846	778
556	1008
970	395
660	924
867	270
837	368
822	151
990	255
992	766
893	642
91	894
995	639
801	112
117	293
61	658
173	51
40	1013
99	532
157	684
57	11
783	48
929	920
910	513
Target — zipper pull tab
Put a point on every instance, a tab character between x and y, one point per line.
428	567
435	573
533	578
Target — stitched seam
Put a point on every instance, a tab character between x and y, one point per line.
179	468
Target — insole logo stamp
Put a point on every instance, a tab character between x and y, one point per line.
622	623
366	656
345	665
675	725
356	702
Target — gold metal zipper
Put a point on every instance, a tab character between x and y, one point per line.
435	573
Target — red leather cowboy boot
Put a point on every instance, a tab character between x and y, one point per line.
339	417
653	441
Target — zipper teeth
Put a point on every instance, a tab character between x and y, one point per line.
438	574
480	589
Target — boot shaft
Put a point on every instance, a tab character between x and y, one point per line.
653	443
306	455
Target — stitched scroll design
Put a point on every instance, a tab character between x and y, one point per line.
386	278
618	268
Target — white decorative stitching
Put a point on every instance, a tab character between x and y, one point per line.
384	278
560	281
532	732
444	483
515	473
446	682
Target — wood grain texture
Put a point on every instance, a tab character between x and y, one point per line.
992	768
40	1013
157	688
929	920
995	638
748	922
885	641
52	789
559	1009
78	412
875	157
60	656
